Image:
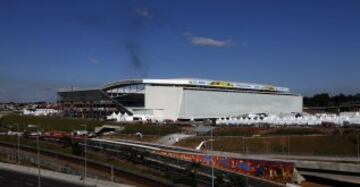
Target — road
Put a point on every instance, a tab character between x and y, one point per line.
202	130
172	138
16	179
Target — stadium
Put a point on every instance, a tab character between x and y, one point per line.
178	99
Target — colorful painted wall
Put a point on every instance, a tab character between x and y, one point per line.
276	171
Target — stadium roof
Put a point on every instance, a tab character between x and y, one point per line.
199	82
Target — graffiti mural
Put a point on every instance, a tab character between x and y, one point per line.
276	171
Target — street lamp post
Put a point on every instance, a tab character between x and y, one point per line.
212	159
111	160
18	147
288	148
111	169
358	147
18	144
85	151
112	172
38	157
38	151
243	144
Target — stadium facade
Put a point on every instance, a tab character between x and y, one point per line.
178	99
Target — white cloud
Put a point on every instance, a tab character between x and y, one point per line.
143	12
207	42
210	42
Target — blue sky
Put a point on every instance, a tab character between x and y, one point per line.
309	46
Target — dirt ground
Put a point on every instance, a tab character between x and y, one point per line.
145	138
312	184
324	145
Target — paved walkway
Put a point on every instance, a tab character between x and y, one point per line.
336	177
173	138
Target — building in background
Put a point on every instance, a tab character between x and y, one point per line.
178	99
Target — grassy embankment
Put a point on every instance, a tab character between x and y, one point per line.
47	123
151	133
299	141
247	131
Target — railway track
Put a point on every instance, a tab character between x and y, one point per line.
149	153
100	166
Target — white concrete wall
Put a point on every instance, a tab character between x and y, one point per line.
174	103
165	99
211	104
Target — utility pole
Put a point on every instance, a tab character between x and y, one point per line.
212	159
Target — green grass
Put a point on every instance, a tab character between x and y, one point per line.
236	131
145	138
249	131
147	129
294	131
33	143
331	145
47	123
